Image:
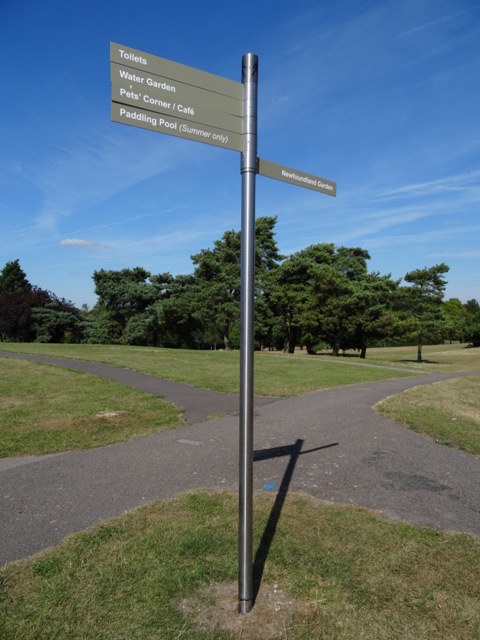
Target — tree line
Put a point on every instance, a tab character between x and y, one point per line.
29	313
322	297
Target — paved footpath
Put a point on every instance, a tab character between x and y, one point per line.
331	444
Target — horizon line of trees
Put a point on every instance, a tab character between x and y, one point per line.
322	297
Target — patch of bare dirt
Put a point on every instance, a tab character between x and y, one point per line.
216	607
109	414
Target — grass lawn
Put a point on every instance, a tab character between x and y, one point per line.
36	418
448	412
351	574
275	374
440	357
46	409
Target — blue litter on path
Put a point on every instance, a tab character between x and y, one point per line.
270	486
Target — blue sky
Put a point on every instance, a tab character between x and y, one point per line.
381	96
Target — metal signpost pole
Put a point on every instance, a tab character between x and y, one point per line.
249	171
168	97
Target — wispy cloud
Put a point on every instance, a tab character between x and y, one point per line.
128	220
461	254
83	244
461	182
427	238
87	171
162	244
436	213
83	171
434	23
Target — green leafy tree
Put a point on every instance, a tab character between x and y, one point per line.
121	296
455	315
472	328
36	315
472	307
327	315
422	302
215	292
267	261
370	309
175	321
58	321
13	278
325	294
216	289
338	291
290	295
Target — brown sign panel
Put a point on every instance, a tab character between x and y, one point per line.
166	88
299	178
174	70
175	126
173	104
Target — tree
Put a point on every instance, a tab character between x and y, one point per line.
121	296
327	315
455	315
325	294
173	313
422	301
216	289
472	307
36	315
267	261
291	287
370	302
13	278
16	313
57	321
472	328
29	313
338	290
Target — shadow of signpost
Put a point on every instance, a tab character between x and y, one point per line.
294	451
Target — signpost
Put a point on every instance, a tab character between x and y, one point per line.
247	302
175	71
173	126
167	88
298	178
188	105
168	97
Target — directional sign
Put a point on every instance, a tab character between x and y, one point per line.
168	88
173	104
299	178
175	71
175	126
168	97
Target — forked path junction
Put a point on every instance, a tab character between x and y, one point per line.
344	452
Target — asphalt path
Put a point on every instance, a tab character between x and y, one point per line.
330	444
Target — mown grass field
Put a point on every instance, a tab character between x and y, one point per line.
443	357
351	574
45	409
448	412
275	374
